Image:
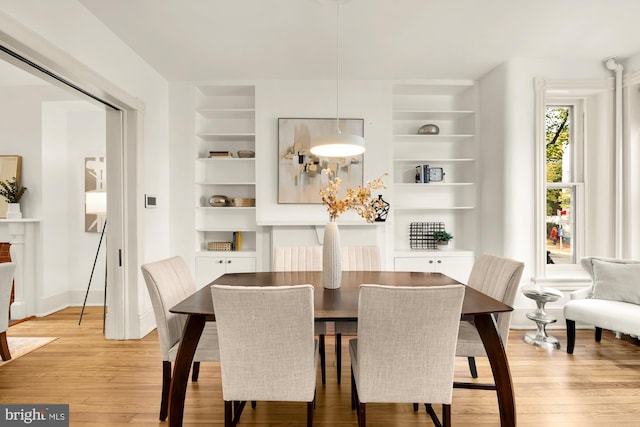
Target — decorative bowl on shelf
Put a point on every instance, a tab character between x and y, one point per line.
429	129
219	201
246	154
241	202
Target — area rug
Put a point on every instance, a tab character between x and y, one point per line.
19	346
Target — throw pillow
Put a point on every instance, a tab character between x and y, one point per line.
616	282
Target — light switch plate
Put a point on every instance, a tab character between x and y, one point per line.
150	201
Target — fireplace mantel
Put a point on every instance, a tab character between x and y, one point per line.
21	235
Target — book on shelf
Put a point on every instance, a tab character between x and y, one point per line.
220	154
425	174
236	243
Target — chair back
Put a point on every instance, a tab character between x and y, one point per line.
169	281
363	258
6	280
267	345
406	343
309	258
499	278
297	258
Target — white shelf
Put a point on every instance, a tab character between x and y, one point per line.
436	209
226	254
212	136
422	186
226	208
223	228
226	113
430	138
225	159
225	183
430	160
432	115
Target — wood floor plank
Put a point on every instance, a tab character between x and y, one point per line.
117	383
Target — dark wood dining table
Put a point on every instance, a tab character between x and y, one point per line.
342	305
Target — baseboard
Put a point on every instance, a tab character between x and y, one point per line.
147	322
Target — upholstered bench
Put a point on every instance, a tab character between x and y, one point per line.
612	302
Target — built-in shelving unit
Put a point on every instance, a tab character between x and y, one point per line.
225	122
450	105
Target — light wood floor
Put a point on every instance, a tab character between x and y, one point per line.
114	383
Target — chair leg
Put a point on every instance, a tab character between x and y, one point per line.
433	415
415	407
362	414
4	346
339	356
446	415
571	335
323	367
228	413
238	407
195	371
472	367
310	406
598	334
353	391
253	404
166	383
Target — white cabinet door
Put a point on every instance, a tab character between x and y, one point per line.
456	267
240	265
210	268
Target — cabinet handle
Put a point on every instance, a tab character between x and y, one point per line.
439	261
228	261
430	261
220	262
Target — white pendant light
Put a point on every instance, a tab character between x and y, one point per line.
337	144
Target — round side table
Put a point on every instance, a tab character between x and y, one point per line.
540	338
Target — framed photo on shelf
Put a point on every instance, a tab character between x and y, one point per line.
300	176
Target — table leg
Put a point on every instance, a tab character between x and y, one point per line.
488	331
182	366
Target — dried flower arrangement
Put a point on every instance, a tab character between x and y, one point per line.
11	191
358	199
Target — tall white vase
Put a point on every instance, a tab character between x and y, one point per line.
331	257
13	211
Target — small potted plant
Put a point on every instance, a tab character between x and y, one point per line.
12	192
442	239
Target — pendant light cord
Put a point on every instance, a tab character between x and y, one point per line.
337	66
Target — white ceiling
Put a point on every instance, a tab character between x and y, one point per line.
189	40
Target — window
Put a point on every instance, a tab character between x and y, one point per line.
563	170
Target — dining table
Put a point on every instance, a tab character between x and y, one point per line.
342	305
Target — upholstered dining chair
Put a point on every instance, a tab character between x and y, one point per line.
256	363
169	281
405	350
499	278
354	258
309	258
6	280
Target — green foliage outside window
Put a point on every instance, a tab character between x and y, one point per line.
557	122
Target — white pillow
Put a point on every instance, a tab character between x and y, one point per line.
616	282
